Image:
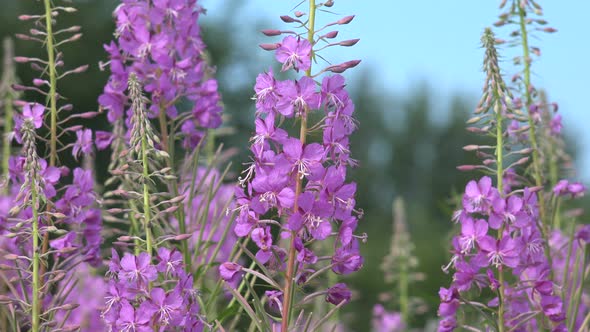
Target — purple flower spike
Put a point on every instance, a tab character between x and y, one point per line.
83	142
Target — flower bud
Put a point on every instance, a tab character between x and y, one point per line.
345	20
271	32
270	47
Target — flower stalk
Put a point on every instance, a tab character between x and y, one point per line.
49	43
537	169
290	276
33	186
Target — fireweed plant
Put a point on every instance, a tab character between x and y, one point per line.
50	224
165	205
296	195
184	249
400	272
519	263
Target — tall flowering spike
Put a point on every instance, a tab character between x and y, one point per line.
51	70
399	267
525	18
515	262
65	226
297	188
160	41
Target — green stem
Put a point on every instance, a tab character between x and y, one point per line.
52	84
544	224
168	144
134	228
499	179
290	276
578	295
52	104
537	170
36	310
146	195
566	270
210	148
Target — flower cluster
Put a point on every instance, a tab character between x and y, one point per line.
303	183
479	257
160	41
147	296
326	201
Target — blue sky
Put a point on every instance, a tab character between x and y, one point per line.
438	42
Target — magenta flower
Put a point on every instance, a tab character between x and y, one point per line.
333	93
294	53
266	94
137	269
553	308
471	233
304	159
103	139
297	97
555	125
338	293
65	242
165	306
34	112
576	189
134	320
478	195
560	189
500	252
230	271
346	261
83	142
171	261
507	211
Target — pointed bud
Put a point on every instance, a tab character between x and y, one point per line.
350	42
40	82
345	20
465	168
522	161
549	30
271	32
269	47
331	34
88	115
288	19
80	69
470	147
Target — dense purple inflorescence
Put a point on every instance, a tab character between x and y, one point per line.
160	41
